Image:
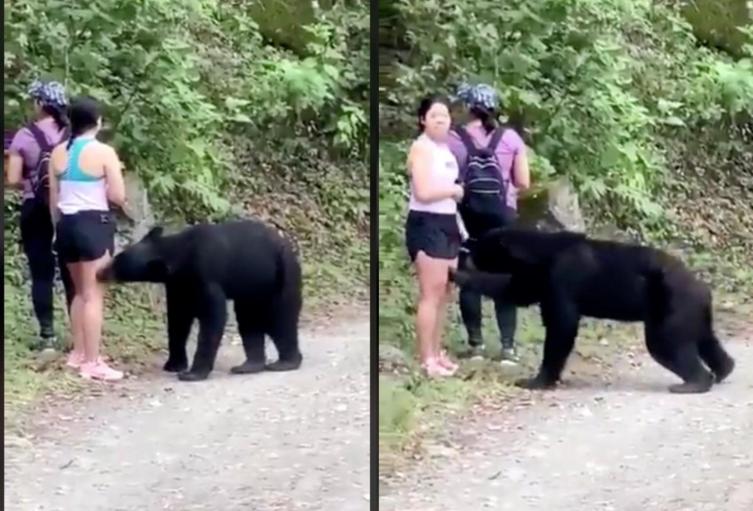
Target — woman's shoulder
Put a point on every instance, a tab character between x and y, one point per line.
511	138
104	148
420	144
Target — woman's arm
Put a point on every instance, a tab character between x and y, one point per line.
14	169
114	175
521	175
420	170
521	172
57	161
15	159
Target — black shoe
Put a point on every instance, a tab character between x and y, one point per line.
47	340
472	351
46	332
508	356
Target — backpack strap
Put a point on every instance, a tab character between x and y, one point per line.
496	137
465	137
41	140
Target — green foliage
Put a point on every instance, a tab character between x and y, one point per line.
597	82
178	78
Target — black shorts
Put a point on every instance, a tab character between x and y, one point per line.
436	234
85	236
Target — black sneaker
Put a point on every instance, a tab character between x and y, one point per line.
47	339
508	356
473	351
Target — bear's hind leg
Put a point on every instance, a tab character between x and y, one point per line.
284	334
251	329
672	349
212	319
718	360
711	350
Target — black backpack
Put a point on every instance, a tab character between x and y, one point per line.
482	206
38	176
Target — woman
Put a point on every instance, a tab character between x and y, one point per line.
482	108
84	175
432	233
23	158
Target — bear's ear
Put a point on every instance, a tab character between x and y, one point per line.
154	233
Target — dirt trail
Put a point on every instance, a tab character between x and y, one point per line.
271	441
629	446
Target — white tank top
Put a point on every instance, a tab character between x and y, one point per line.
444	172
80	191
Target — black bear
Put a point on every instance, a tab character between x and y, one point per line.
570	276
205	265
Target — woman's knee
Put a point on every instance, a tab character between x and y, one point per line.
433	290
91	293
91	289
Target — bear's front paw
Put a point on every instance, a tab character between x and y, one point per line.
249	367
536	383
193	376
175	365
285	365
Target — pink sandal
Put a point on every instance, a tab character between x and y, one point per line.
76	359
99	370
445	361
433	368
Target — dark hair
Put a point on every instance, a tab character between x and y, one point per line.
58	113
84	113
487	117
425	105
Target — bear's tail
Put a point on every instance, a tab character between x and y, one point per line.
289	277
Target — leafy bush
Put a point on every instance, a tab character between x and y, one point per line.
181	77
598	83
617	95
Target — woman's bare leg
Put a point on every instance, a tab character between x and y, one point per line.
93	317
76	356
432	278
441	316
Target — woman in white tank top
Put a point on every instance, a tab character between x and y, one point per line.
432	233
85	176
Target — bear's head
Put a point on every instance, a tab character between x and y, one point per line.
144	261
497	251
512	249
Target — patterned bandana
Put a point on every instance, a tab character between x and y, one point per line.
480	95
49	94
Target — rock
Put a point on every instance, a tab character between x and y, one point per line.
716	22
282	21
392	359
138	218
134	222
552	207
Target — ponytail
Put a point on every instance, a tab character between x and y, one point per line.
71	137
83	113
487	118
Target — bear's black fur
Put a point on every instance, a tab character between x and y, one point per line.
204	266
571	276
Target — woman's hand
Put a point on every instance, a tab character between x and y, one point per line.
458	192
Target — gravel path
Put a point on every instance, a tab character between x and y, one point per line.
271	441
628	446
